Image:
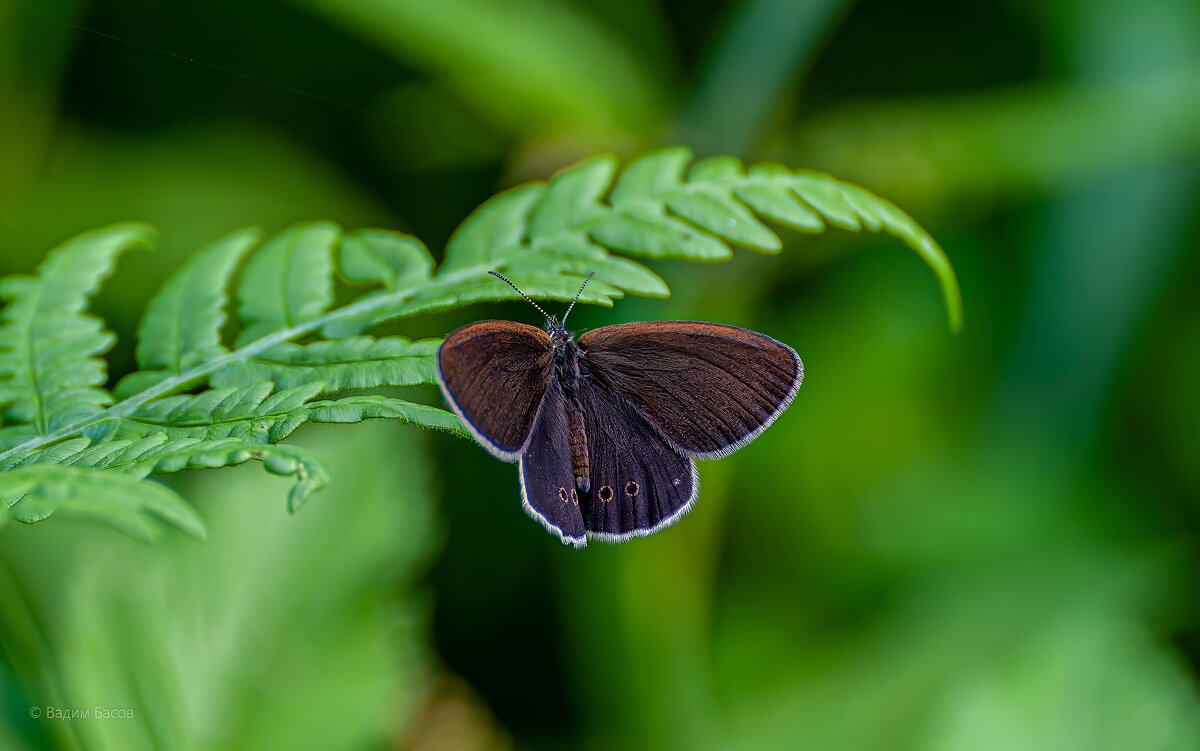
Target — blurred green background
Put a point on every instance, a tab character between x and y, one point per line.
985	541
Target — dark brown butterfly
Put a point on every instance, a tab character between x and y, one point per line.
607	429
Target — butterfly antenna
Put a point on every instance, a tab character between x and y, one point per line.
508	281
577	294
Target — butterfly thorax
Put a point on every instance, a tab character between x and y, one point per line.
566	355
566	372
558	334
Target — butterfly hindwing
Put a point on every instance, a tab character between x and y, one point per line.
639	484
494	375
708	389
547	479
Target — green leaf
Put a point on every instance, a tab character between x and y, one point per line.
646	231
708	201
496	226
123	502
250	413
256	414
475	289
390	259
781	207
174	451
650	175
580	256
309	471
573	197
15	435
545	286
716	169
827	198
138	381
182	325
288	281
292	461
854	208
716	210
58	453
49	372
351	364
183	321
350	409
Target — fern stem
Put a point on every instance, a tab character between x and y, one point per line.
188	377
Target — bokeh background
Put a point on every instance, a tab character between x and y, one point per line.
985	541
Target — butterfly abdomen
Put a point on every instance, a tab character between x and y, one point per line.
579	449
568	374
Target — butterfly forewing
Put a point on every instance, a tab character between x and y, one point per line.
547	478
494	374
708	389
639	484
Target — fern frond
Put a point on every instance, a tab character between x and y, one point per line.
308	471
288	281
182	324
121	501
49	372
158	453
15	435
378	257
58	453
449	293
252	413
258	414
658	208
298	360
354	364
350	409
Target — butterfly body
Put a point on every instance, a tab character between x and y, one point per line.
606	428
568	373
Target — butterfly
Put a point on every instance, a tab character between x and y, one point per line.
607	428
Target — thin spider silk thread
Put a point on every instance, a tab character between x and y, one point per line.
240	74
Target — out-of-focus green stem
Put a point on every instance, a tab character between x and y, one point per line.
763	48
33	43
496	55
